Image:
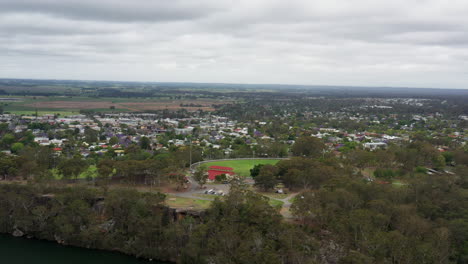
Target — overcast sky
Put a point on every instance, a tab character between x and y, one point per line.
410	43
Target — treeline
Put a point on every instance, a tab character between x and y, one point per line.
299	107
296	174
112	92
138	165
242	228
423	220
426	222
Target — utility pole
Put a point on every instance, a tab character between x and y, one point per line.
190	166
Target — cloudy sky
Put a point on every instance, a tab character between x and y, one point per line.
410	43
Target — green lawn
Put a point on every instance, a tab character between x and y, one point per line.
242	167
276	203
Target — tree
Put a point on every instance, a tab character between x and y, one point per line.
354	257
201	175
113	140
134	152
17	147
7	140
244	228
267	177
8	166
72	168
178	178
439	162
133	171
305	173
105	170
308	147
27	138
35	161
448	156
3	128
221	177
361	158
91	135
386	174
256	170
145	143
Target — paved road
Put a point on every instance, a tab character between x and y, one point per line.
287	201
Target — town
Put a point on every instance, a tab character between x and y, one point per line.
284	154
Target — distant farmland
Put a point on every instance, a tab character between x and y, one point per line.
71	104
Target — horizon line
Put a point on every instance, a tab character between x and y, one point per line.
235	83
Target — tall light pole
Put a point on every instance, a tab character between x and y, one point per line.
190	165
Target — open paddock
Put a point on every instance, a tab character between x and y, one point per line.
113	104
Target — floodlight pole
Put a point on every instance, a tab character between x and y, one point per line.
190	166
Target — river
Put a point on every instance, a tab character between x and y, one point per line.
23	251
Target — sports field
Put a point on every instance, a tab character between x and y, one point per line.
242	167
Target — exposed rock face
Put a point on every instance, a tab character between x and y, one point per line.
331	252
181	213
18	233
59	240
107	226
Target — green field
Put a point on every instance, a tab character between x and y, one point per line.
242	167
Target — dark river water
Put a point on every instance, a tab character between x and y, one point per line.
23	251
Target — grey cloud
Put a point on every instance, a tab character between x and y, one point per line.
114	10
359	42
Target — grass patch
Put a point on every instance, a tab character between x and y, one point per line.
207	196
242	167
89	173
182	202
368	172
276	203
398	183
275	195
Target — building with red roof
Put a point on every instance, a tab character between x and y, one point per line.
214	171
